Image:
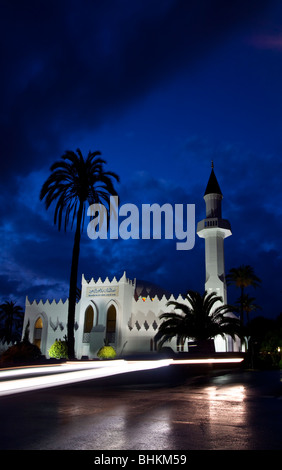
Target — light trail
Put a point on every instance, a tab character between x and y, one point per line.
53	368
236	360
73	372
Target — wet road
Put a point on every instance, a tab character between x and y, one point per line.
231	411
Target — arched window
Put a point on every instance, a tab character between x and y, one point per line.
38	332
111	324
88	323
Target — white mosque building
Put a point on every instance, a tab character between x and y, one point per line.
126	313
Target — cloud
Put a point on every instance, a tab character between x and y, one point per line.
70	67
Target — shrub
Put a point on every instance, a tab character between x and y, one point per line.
21	352
59	350
106	352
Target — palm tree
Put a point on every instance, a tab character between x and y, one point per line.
248	305
12	315
199	319
242	277
73	183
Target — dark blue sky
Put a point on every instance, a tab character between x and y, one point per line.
161	88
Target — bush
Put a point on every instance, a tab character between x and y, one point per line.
21	352
106	352
59	350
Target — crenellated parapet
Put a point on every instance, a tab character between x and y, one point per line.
45	303
146	312
107	281
106	288
155	300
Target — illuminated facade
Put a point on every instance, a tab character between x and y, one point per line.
125	313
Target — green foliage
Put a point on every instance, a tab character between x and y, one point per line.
59	350
21	352
266	342
106	352
270	348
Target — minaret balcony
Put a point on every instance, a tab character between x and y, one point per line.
214	223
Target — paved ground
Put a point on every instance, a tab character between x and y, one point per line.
231	411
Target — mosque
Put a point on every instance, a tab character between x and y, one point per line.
125	312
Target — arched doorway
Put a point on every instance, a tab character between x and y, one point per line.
88	323
37	335
111	325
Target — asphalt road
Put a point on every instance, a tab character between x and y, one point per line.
229	411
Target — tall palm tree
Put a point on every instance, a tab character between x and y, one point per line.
248	305
73	183
200	319
12	315
242	277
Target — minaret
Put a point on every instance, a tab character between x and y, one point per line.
214	230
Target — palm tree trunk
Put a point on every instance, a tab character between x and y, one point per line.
73	283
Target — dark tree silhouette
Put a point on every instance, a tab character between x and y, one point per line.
74	183
199	319
248	304
242	277
12	316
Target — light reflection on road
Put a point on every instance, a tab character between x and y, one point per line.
239	411
227	416
234	393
